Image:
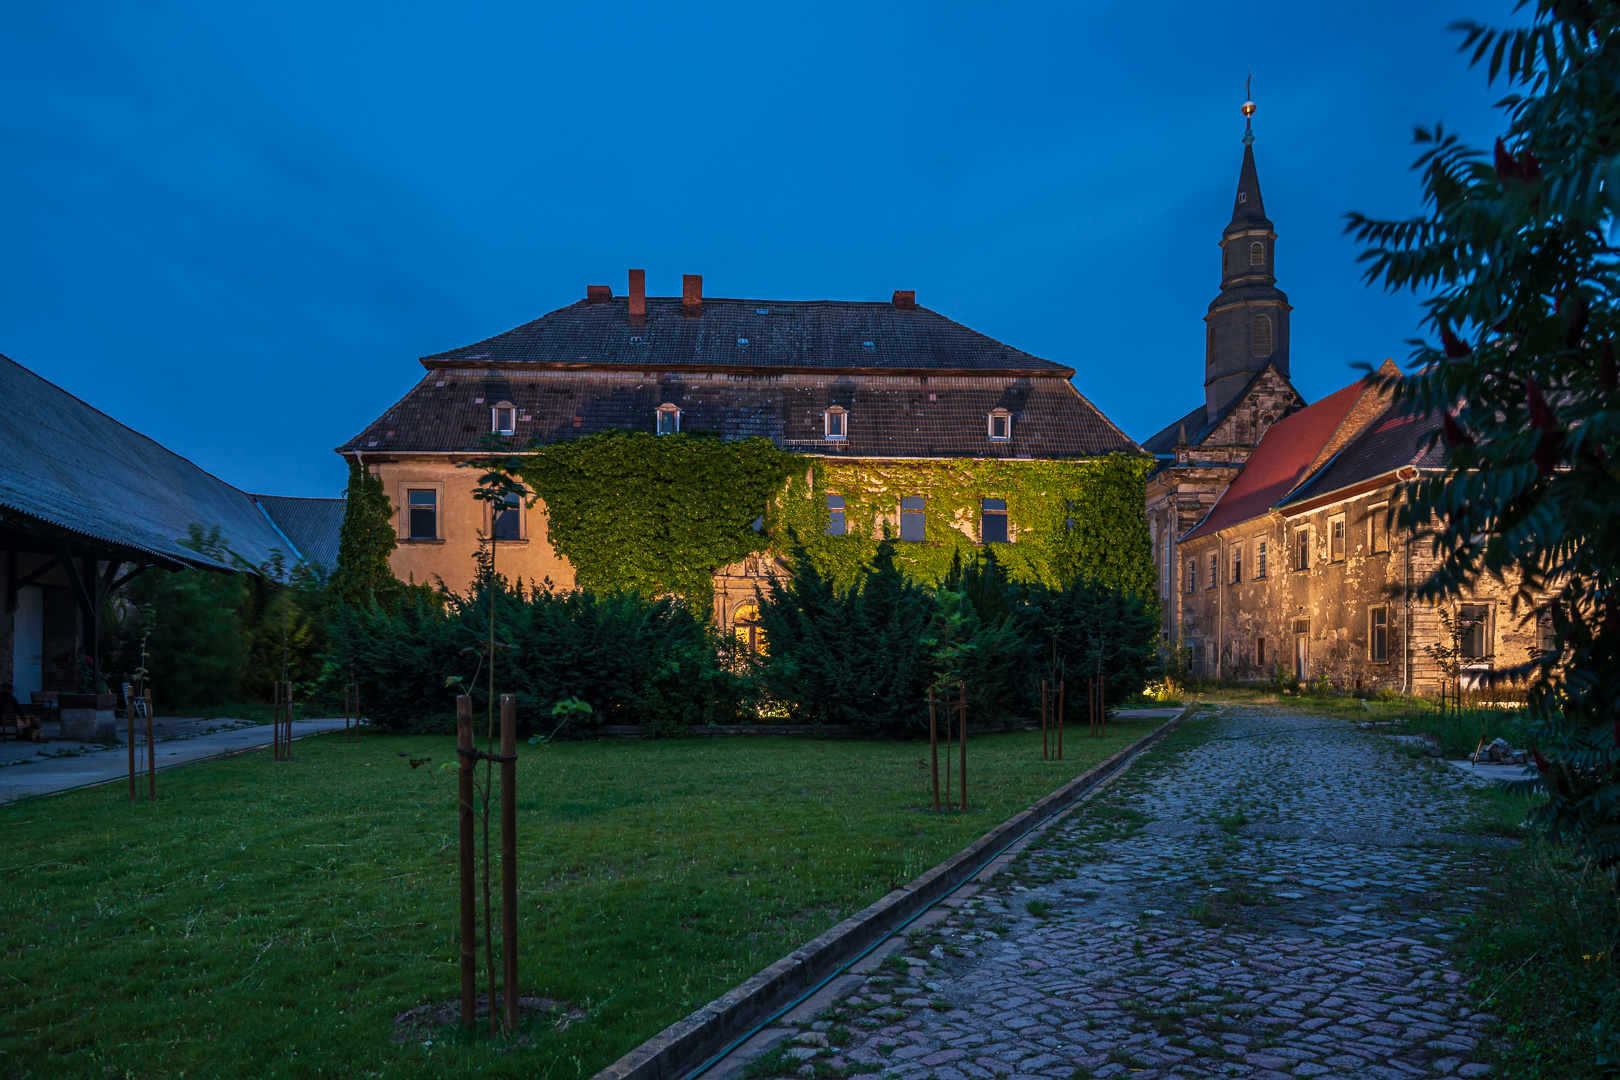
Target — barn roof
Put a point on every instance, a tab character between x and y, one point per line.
70	475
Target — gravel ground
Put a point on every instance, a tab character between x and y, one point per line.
1266	896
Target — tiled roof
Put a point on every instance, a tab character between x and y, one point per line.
1279	462
1196	423
310	525
814	334
889	415
66	466
1395	439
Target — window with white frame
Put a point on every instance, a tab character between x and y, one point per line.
1302	548
1336	538
669	419
1237	564
835	422
1259	557
423	521
1474	629
1000	424
503	418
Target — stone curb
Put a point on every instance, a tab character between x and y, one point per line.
685	1044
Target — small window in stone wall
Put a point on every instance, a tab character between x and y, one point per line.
1192	575
912	520
1336	538
1378	528
1260	652
1474	628
1378	634
1259	558
1237	564
1302	548
1214	570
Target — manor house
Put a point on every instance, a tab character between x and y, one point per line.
888	381
1273	520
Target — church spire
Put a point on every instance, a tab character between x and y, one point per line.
1247	324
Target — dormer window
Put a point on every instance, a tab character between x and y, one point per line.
1000	425
669	419
503	418
836	422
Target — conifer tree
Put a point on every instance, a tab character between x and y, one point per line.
366	539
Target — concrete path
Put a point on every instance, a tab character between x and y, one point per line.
29	769
1267	896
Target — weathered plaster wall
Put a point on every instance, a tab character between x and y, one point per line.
1327	606
451	557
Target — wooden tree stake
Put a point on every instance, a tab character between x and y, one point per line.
509	919
933	743
469	920
1060	718
1043	719
962	701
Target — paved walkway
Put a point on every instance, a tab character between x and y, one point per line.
1265	896
28	769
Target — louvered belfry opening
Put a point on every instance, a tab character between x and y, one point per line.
1262	335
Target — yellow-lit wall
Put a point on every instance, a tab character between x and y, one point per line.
462	520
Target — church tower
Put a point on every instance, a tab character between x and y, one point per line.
1247	324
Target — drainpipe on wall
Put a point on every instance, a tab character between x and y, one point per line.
1220	608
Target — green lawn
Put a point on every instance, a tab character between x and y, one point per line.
268	920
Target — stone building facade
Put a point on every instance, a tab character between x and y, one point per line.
1273	519
881	382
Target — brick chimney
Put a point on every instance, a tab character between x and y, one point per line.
692	295
598	294
638	298
905	298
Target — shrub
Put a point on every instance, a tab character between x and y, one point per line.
632	660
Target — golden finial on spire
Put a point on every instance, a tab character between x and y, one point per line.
1248	110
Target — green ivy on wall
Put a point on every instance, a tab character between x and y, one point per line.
656	513
661	513
1068	518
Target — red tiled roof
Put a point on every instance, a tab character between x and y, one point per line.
1278	464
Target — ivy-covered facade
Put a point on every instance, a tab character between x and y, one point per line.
681	444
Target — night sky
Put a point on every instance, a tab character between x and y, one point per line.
237	229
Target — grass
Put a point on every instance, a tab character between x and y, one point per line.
268	920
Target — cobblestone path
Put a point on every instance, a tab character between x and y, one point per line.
1264	896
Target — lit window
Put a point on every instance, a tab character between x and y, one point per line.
836	421
1000	424
836	525
912	528
745	625
1262	335
1257	254
507	524
1259	558
424	514
993	521
669	419
1336	538
1302	548
1378	634
1378	528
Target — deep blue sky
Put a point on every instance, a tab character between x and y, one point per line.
236	230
